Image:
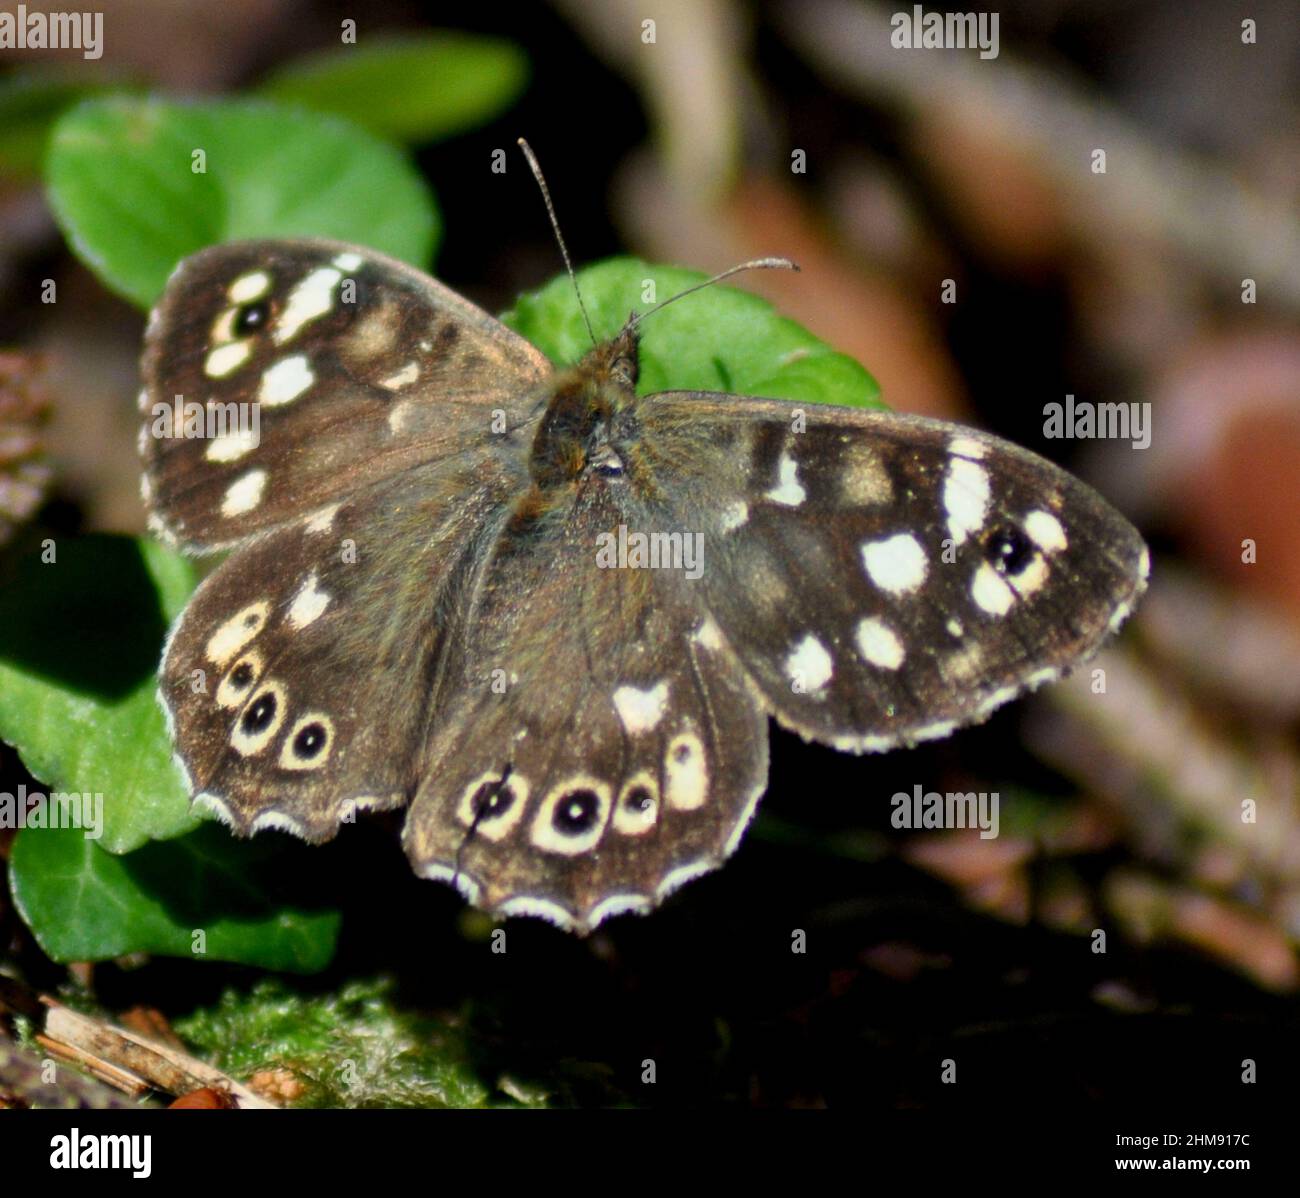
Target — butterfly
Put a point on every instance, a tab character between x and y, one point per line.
548	616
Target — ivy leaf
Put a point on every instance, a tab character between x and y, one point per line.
80	640
413	89
719	339
84	904
125	185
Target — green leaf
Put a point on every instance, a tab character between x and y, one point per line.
123	185
394	1058
84	904
410	88
29	105
719	339
80	640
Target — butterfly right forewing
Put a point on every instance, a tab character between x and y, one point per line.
885	579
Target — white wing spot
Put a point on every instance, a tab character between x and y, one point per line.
967	447
955	627
788	490
991	591
249	287
323	520
285	381
896	564
227	358
309	603
879	644
348	261
641	710
237	631
965	497
244	494
809	664
313	297
734	515
1046	532
398	415
230	447
686	773
403	378
708	634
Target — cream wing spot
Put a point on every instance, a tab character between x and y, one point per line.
572	817
991	591
788	491
637	808
967	447
244	494
401	378
895	564
237	631
1046	532
641	710
734	515
966	494
249	287
708	635
226	359
310	299
286	380
323	520
398	416
879	644
349	261
231	446
809	665
685	772
309	743
309	603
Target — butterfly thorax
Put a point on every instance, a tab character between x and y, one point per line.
589	412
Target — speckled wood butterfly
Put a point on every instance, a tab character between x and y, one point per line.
550	616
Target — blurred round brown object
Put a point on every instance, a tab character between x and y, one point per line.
24	475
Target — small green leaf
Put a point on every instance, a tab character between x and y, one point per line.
413	89
719	339
80	639
84	904
124	185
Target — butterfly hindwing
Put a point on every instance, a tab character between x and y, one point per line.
596	744
884	578
282	375
297	680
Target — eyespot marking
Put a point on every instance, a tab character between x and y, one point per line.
637	808
686	773
493	808
260	720
309	743
572	817
237	631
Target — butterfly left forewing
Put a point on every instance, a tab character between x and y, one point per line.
282	375
885	579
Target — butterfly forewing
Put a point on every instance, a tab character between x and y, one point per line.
282	375
884	578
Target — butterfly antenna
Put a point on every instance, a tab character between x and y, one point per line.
536	168
752	264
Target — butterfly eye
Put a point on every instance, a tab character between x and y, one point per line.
251	317
623	370
606	462
1008	550
576	812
